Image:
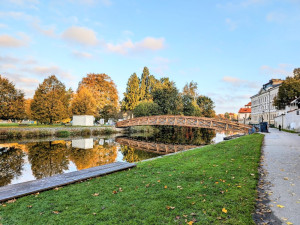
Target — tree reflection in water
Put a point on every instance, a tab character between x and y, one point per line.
97	156
134	155
180	135
11	165
48	158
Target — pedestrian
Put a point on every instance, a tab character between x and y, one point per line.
279	127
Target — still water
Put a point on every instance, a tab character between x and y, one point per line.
26	160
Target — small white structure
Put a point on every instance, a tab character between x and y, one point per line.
290	117
83	143
101	121
83	120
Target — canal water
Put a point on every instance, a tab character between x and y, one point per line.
27	160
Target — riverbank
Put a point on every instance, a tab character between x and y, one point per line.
42	132
215	184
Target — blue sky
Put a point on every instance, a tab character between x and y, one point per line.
230	48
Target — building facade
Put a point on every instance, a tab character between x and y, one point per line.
262	109
244	114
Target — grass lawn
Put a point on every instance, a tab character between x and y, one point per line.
212	185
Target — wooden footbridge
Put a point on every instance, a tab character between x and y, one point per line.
158	148
184	121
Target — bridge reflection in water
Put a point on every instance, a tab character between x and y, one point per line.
158	148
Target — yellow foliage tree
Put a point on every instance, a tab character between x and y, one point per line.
84	103
102	88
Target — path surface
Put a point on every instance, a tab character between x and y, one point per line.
282	163
21	189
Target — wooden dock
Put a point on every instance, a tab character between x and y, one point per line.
30	187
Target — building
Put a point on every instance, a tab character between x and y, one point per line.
83	120
289	118
244	114
262	109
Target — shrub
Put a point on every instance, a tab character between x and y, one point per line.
107	131
62	133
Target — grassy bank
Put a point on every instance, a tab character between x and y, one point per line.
212	185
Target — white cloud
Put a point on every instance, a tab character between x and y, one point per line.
148	43
237	82
232	25
12	42
281	71
15	15
47	31
80	35
82	54
24	3
3	25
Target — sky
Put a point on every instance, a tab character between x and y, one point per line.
230	48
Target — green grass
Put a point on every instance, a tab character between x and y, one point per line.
197	183
290	131
8	124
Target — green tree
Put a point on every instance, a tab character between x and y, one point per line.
226	115
132	94
12	101
109	112
288	91
144	85
50	101
168	99
206	105
146	108
190	107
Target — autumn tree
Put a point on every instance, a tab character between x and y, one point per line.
12	101
132	94
84	103
288	91
206	105
28	108
50	101
102	88
191	89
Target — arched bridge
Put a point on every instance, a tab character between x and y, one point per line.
184	121
158	148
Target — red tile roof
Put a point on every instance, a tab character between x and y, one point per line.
245	110
249	104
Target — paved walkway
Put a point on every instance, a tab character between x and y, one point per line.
282	164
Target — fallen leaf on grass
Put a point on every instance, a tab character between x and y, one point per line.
190	223
166	186
280	206
120	189
224	210
239	186
170	207
11	201
114	192
158	181
94	214
95	194
179	187
55	212
29	206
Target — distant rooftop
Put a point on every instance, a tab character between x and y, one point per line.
245	110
